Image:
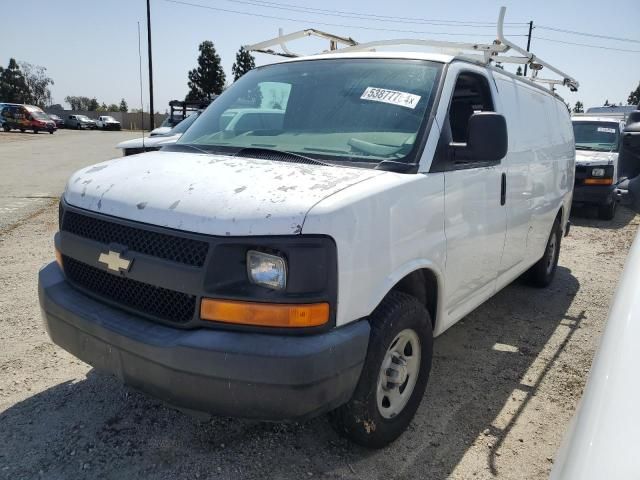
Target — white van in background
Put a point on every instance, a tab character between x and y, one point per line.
304	266
597	176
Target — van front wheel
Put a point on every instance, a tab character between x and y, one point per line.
394	375
542	273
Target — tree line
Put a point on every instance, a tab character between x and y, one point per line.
92	104
208	79
23	82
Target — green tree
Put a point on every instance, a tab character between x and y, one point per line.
519	71
207	79
112	107
634	97
123	106
38	83
579	107
103	108
13	84
244	62
93	105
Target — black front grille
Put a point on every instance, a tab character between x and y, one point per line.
157	302
162	245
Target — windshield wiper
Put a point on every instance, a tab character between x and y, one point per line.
276	155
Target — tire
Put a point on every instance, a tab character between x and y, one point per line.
35	130
51	131
6	128
542	272
607	212
22	130
368	419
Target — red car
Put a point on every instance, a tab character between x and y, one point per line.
26	117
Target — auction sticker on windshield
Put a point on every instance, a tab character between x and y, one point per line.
606	130
393	97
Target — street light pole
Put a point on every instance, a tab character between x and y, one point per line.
151	110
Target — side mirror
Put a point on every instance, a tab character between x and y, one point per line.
487	139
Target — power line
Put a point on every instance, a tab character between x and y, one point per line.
371	16
252	14
585	34
586	45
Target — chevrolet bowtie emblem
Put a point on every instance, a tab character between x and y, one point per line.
114	261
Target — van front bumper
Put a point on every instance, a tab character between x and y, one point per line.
594	194
251	375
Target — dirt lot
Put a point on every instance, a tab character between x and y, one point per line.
505	382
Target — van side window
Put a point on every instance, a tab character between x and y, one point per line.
471	94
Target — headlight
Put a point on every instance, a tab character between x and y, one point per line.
598	172
267	270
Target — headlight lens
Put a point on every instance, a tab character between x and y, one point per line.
597	172
267	270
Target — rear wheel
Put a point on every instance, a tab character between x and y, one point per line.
542	273
394	375
607	212
6	127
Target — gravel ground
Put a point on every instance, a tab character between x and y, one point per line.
505	382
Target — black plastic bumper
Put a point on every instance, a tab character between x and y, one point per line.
261	376
594	194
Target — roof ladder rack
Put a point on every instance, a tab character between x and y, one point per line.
481	52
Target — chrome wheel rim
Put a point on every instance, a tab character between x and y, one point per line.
551	252
398	373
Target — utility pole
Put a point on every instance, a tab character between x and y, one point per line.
152	123
528	44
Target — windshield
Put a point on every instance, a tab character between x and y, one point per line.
183	125
82	117
108	119
39	115
599	136
339	110
171	122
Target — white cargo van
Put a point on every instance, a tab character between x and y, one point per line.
597	173
280	272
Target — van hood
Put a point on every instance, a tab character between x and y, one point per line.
591	157
150	141
209	194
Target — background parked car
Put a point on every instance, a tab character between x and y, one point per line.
597	173
56	119
140	145
79	121
166	126
107	122
26	117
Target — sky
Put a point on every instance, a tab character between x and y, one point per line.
91	48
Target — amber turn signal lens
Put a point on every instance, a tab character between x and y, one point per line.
598	181
265	314
58	258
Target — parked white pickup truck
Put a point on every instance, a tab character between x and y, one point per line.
107	122
282	270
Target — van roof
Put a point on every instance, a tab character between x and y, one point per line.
433	57
594	118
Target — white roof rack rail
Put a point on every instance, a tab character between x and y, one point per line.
482	52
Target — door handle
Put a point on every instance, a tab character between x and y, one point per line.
503	189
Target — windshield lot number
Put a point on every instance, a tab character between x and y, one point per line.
393	97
